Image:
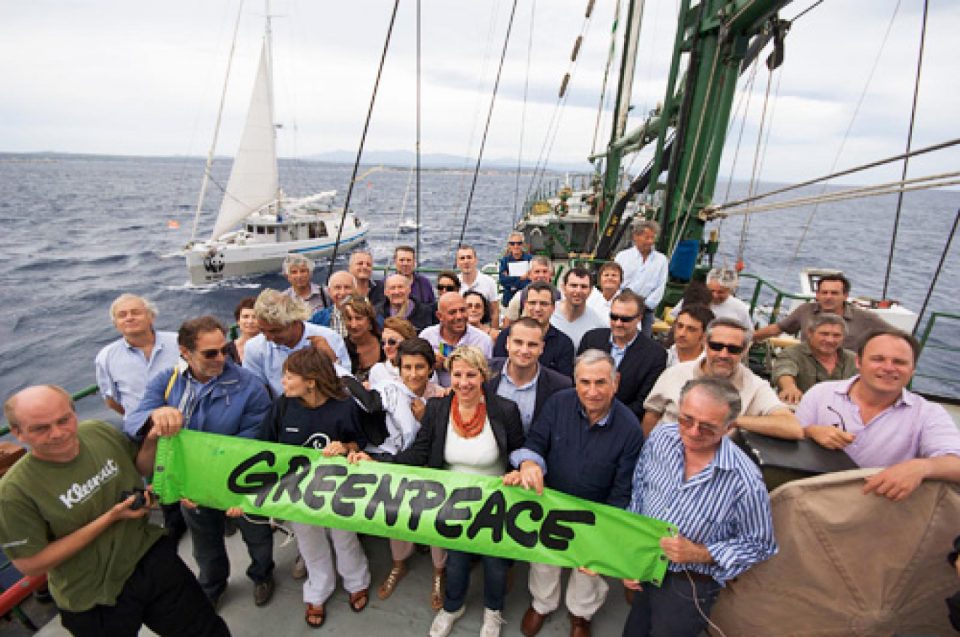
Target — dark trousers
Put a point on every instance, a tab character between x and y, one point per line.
206	530
173	520
161	593
669	611
458	580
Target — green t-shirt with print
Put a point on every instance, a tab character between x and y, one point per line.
42	501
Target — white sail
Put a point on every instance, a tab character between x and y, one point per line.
253	180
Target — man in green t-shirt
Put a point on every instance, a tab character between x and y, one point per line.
65	513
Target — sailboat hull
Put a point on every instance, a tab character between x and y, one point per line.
244	255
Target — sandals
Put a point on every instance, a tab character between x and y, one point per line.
396	574
316	614
436	589
358	601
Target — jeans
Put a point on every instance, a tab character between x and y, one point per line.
161	593
646	325
669	611
458	580
206	529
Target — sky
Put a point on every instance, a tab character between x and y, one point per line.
136	78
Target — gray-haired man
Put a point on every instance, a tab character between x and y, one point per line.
644	269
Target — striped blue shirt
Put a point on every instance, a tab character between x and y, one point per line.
724	507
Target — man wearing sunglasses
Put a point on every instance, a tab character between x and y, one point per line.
761	411
209	392
693	476
639	360
513	283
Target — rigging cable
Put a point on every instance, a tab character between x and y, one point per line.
523	115
606	76
745	102
907	185
363	138
846	133
754	172
486	128
416	263
842	173
936	275
906	160
553	127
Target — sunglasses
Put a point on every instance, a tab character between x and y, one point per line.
514	243
211	354
391	342
719	347
706	429
448	288
623	318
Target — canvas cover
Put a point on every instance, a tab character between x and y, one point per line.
849	564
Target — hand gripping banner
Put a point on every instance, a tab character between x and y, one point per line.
477	514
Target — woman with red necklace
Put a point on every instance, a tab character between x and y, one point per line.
472	431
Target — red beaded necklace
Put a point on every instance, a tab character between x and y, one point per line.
473	427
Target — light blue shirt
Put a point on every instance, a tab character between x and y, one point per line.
265	358
724	507
123	371
524	395
648	278
618	352
472	336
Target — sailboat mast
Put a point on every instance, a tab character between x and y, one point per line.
216	128
268	53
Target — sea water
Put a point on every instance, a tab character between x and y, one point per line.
79	230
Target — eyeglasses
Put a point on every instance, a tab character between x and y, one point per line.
447	288
514	243
391	342
719	347
623	318
211	354
707	429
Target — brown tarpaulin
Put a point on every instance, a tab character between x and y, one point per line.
849	564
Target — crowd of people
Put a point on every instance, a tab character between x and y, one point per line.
567	390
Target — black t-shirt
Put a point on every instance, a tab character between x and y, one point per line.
291	422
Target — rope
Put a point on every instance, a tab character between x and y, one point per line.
846	133
906	161
842	173
744	101
486	128
909	185
754	172
523	116
363	138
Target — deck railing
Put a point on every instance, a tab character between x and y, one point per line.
925	344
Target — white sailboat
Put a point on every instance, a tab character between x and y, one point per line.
257	225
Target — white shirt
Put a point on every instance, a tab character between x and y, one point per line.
576	329
598	304
483	284
648	278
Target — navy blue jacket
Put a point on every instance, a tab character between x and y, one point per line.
557	350
548	384
640	368
591	462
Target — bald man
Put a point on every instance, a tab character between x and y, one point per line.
399	302
452	332
67	512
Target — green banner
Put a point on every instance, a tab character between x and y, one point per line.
477	514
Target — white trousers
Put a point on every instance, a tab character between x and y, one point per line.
585	593
351	562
